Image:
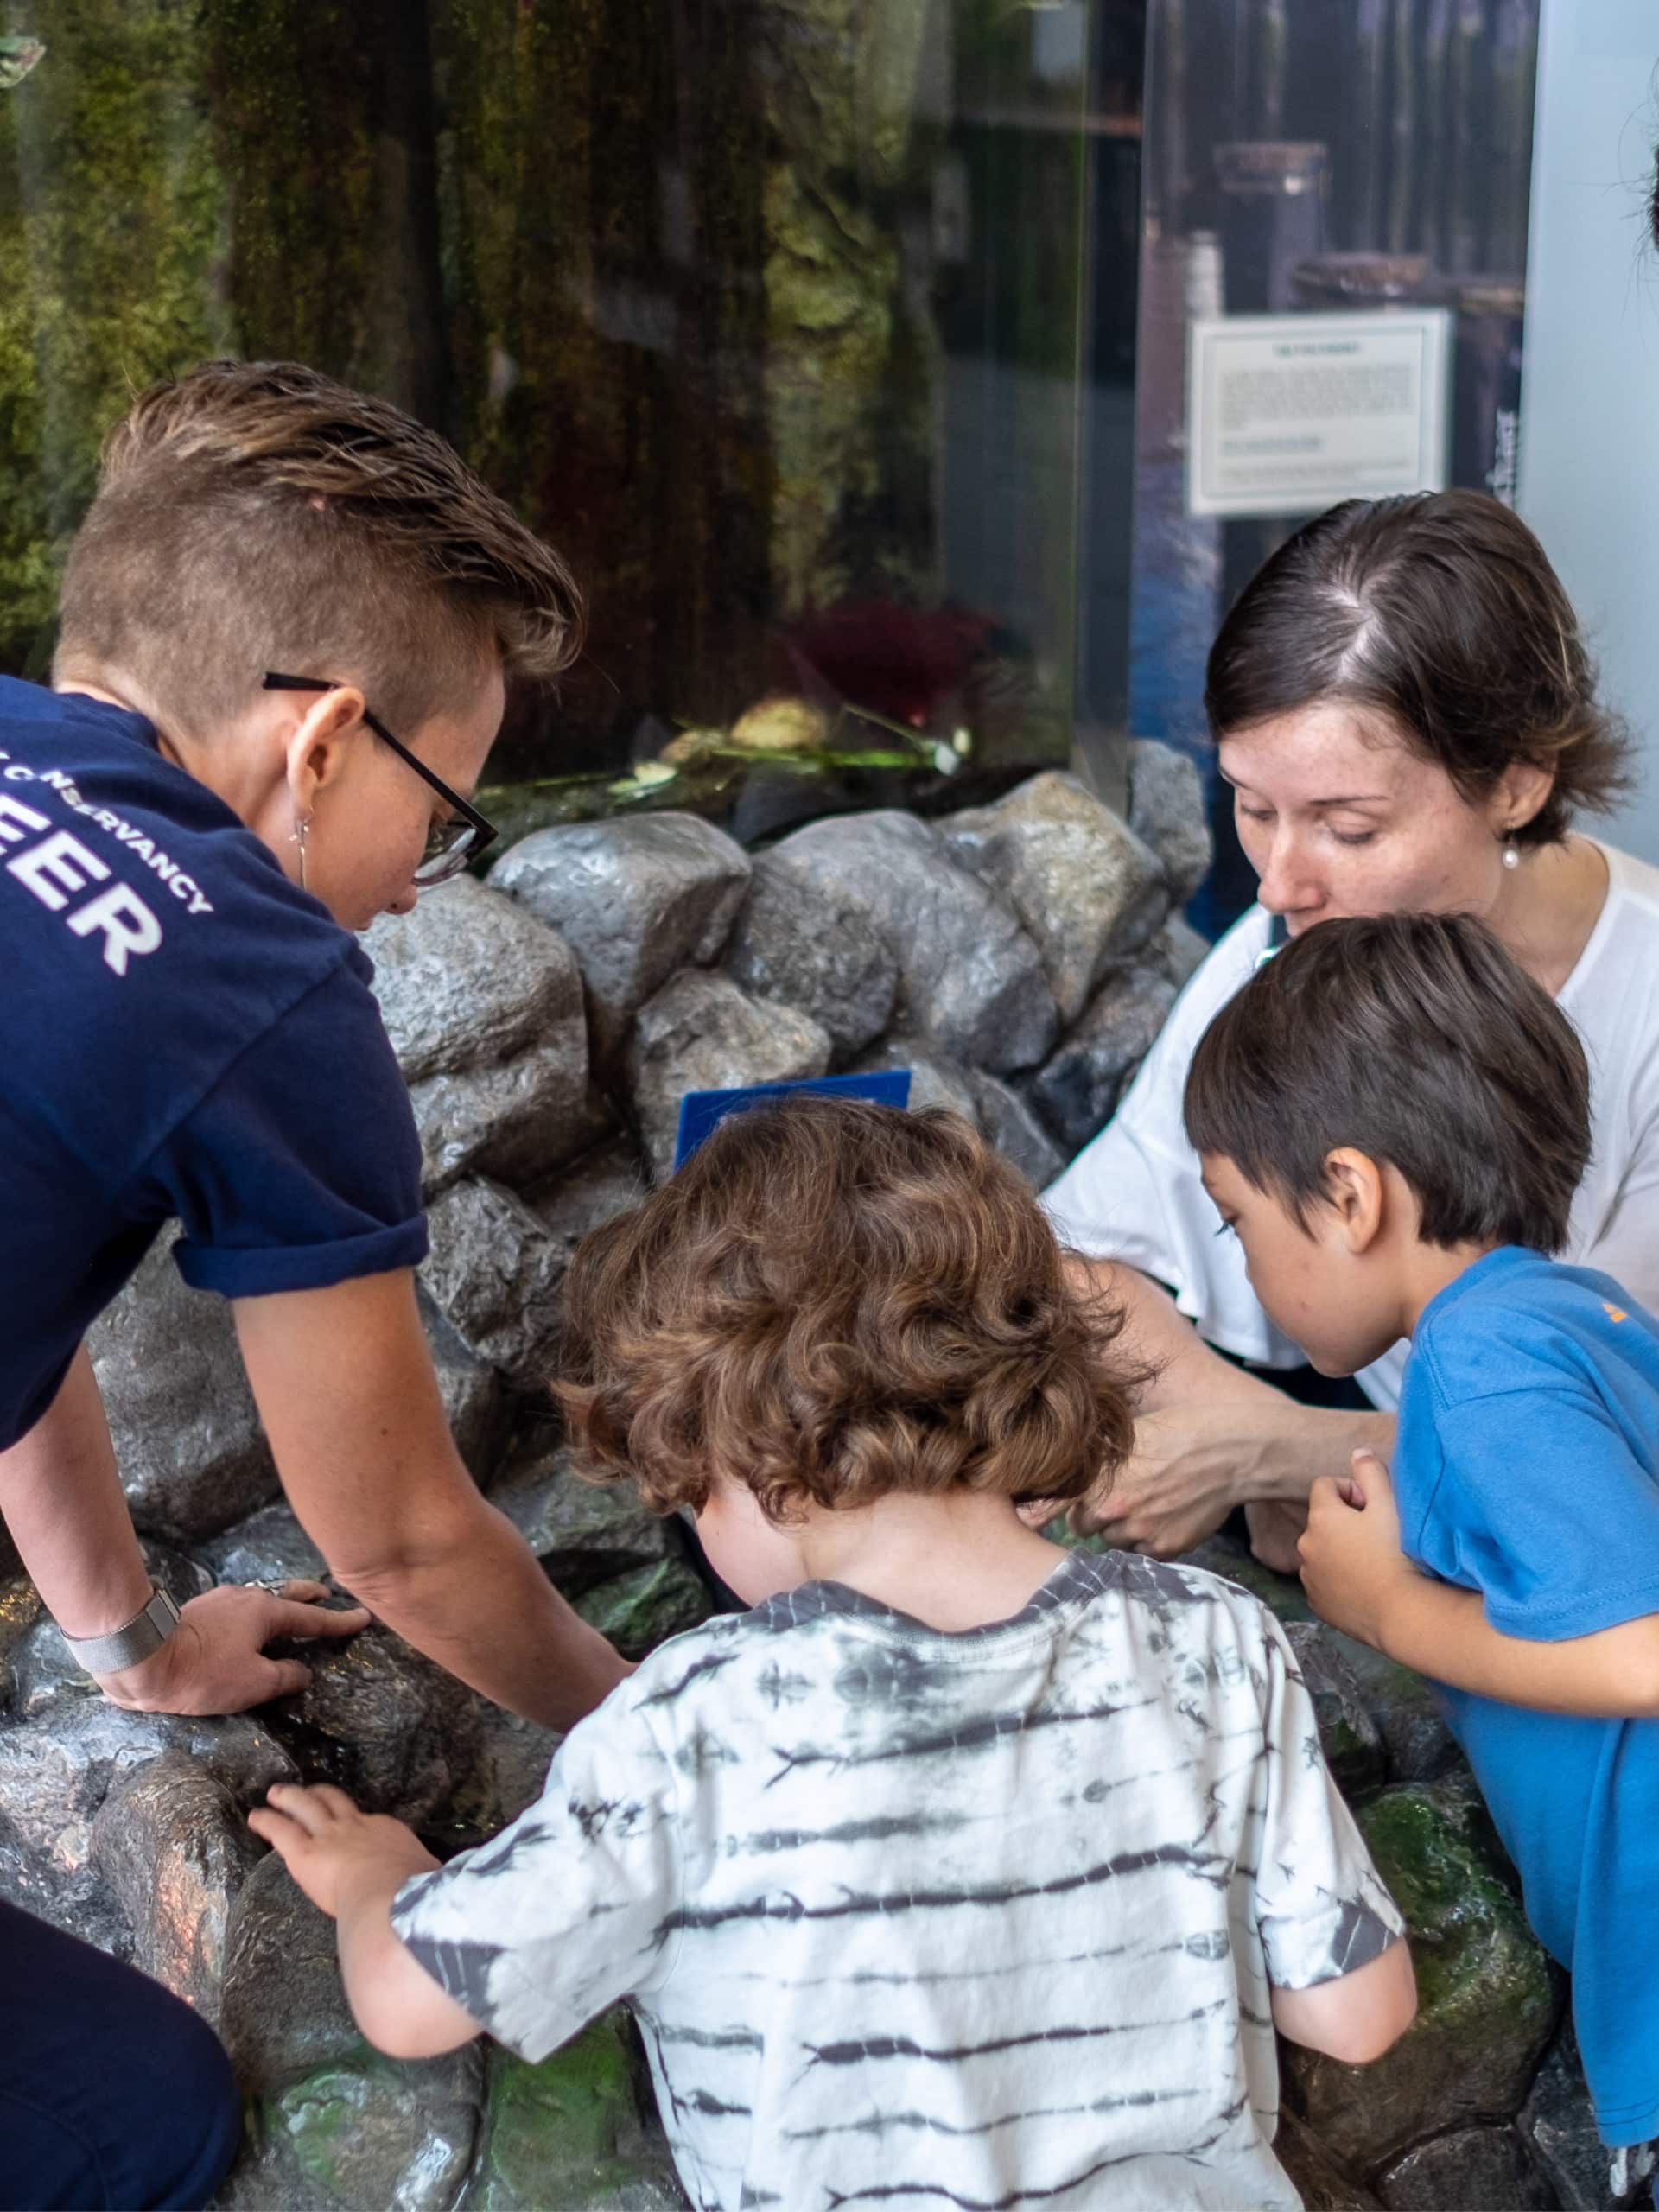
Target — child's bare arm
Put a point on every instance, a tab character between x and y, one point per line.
353	1865
1357	1579
1357	2017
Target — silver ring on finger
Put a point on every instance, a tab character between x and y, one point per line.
273	1586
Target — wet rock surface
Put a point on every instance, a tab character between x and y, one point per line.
1078	1087
496	1274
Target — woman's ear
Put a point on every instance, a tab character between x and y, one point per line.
1521	793
1353	1189
314	750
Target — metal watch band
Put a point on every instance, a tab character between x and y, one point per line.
147	1632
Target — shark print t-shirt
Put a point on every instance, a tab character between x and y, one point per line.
941	1920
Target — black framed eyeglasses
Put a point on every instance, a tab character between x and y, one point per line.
451	846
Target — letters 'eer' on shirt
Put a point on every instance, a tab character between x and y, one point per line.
908	1916
185	1032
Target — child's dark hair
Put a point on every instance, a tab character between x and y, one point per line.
1439	612
833	1300
1417	1040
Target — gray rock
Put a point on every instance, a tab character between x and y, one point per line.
1010	1126
583	1533
595	1191
269	1543
640	1609
1085	885
56	1770
1468	2170
1318	2180
174	1848
362	2135
701	1032
1353	1742
476	1404
496	1274
1077	1090
283	2012
636	900
469	979
383	1723
1420	1745
1557	2125
935	1078
42	1669
1166	811
505	1777
969	977
517	1120
188	1441
1176	953
801	940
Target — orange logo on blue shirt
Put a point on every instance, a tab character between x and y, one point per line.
1613	1312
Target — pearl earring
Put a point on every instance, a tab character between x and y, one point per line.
1511	858
302	824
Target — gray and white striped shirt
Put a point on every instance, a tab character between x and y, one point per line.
981	1920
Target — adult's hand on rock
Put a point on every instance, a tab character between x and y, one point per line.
1178	1485
1276	1526
215	1661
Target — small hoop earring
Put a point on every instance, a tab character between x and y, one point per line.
302	824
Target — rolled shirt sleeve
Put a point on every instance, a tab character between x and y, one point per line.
300	1167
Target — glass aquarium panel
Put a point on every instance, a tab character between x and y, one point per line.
766	312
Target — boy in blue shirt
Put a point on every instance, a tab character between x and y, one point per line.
1393	1118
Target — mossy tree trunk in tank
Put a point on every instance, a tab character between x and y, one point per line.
114	245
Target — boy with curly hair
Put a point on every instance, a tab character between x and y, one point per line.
962	1868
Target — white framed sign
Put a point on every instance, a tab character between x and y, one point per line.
1288	413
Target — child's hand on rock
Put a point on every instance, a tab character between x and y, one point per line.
338	1855
1351	1560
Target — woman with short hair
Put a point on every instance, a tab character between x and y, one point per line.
1404	705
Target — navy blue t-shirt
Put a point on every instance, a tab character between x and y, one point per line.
186	1033
1527	1467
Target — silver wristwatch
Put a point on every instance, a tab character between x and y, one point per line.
146	1632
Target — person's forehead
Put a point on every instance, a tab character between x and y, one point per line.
1328	750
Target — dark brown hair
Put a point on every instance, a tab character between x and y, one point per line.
255	515
1440	612
1417	1040
832	1300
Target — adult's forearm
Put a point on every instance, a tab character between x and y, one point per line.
481	1607
62	1498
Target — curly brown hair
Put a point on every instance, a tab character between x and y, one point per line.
254	515
1439	610
833	1300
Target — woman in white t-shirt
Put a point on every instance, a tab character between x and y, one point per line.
1406	712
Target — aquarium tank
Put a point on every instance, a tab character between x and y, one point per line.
768	313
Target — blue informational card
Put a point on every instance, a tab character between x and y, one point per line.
701	1111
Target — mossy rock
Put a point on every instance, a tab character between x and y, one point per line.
362	2133
1488	1998
570	2132
639	1611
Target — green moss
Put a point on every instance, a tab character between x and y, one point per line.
568	2133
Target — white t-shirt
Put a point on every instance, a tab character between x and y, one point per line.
906	1916
1133	1193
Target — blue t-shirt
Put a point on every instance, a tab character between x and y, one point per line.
1527	1467
183	1033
